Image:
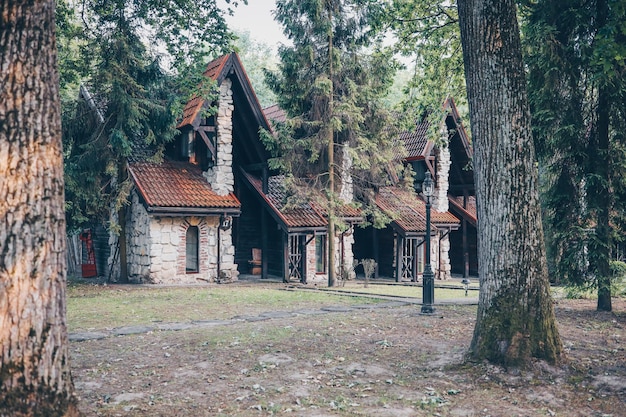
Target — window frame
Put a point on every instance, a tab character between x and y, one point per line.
196	235
321	252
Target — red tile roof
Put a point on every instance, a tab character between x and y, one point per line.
193	107
275	114
415	142
304	215
177	185
469	211
408	210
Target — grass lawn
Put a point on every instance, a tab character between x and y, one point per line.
92	307
412	291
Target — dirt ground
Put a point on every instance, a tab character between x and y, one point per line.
388	361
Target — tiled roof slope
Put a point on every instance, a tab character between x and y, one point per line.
409	211
177	184
469	210
275	114
307	214
303	216
193	107
415	142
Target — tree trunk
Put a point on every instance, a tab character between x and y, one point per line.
35	374
599	193
332	279
515	316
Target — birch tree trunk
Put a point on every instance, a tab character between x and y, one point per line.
515	319
35	375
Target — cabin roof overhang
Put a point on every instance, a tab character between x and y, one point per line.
305	219
176	188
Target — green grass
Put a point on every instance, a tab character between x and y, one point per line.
405	291
101	307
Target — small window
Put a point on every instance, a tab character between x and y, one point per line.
191	264
320	254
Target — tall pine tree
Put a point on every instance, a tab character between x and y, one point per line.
336	137
428	32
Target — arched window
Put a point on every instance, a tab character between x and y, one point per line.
192	239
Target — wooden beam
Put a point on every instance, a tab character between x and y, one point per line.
209	143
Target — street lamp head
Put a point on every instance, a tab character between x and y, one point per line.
428	186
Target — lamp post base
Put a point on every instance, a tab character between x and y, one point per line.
427	309
428	290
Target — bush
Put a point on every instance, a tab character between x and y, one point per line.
618	270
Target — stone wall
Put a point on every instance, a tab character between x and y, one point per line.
440	199
157	250
138	241
312	277
444	266
346	192
311	270
221	176
348	254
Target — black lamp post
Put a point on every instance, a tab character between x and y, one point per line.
428	285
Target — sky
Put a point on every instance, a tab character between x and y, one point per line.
256	18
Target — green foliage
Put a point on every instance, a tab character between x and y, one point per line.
576	80
429	33
117	48
618	269
257	57
332	89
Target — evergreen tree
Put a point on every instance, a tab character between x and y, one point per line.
257	57
330	87
428	32
576	62
133	101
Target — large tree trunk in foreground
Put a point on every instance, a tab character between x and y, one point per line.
35	376
515	316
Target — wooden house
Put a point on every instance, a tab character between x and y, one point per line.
399	249
212	209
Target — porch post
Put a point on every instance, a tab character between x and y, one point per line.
285	257
264	231
375	250
399	245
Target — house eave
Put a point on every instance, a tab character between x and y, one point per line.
193	211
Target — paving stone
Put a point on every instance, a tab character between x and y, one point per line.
337	309
209	323
391	304
277	314
174	326
309	312
363	306
82	336
250	318
122	331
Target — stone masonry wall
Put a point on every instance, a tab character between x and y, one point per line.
221	176
138	241
346	192
444	266
440	199
311	267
